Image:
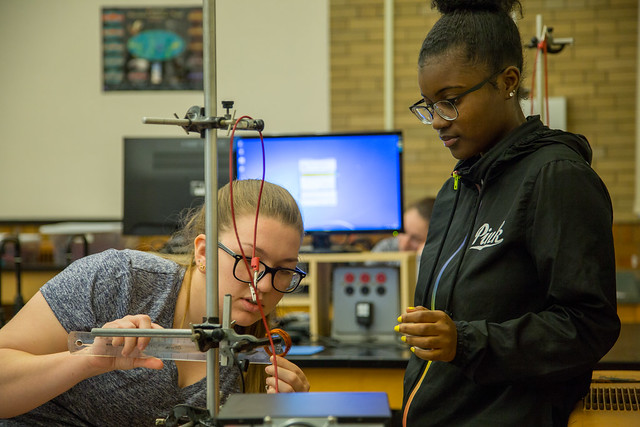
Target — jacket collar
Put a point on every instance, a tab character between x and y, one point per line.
523	140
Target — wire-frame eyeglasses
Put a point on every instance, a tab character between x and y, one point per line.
445	108
284	280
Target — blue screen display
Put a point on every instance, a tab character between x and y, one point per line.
342	182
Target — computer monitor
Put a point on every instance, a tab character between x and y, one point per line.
162	178
343	183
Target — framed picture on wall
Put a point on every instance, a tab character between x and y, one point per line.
152	48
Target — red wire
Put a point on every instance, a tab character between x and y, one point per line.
255	233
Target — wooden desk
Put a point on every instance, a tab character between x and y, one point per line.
357	368
388	380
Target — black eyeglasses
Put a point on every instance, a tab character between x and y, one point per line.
284	280
447	107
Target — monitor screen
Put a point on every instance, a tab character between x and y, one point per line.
343	183
163	177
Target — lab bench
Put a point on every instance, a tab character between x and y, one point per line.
366	367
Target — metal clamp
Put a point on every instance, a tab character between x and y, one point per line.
195	121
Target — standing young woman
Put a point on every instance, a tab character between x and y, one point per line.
41	383
515	301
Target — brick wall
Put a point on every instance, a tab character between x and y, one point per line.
597	75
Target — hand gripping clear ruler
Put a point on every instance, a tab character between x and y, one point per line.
165	348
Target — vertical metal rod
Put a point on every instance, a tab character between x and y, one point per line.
539	95
388	64
211	187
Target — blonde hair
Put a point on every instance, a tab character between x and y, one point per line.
275	202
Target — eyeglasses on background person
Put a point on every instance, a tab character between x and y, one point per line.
284	280
447	107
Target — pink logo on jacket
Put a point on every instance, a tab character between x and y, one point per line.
487	237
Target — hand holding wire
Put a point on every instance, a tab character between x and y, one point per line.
290	377
431	334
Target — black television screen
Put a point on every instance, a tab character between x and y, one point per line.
163	177
344	183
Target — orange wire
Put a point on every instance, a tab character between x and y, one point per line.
285	337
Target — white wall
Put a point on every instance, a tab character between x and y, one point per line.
61	136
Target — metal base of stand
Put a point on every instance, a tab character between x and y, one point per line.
306	409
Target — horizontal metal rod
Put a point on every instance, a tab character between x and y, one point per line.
563	40
162	121
207	123
120	332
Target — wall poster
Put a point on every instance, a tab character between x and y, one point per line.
152	48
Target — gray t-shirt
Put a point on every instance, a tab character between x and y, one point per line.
98	289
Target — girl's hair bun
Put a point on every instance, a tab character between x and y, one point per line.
450	6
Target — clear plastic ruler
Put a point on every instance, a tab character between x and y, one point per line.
165	348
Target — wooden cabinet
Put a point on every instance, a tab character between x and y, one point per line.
317	296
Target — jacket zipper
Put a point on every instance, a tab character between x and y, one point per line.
456	186
456	179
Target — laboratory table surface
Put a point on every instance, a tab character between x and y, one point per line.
351	355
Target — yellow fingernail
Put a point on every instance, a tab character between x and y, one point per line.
413	349
403	338
396	328
411	308
399	319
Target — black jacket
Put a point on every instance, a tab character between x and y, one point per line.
520	254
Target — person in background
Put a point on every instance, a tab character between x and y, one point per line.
415	228
42	383
515	301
